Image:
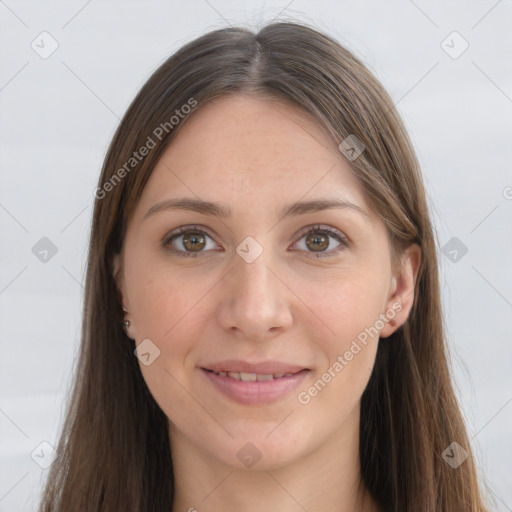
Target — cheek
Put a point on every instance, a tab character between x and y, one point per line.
161	300
170	312
346	313
170	309
343	306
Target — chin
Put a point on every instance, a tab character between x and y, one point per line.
264	450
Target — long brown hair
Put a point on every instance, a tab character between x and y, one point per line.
114	452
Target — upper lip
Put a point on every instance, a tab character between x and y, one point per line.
262	368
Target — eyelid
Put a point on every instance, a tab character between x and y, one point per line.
323	227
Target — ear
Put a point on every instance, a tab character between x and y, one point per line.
118	274
119	277
401	297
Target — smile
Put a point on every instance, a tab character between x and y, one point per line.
254	388
252	377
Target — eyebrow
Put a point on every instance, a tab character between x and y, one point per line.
223	211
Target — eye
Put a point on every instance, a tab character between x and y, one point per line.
317	240
192	241
188	242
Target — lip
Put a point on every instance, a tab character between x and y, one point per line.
264	367
256	392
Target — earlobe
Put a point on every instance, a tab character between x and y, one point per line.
119	280
402	293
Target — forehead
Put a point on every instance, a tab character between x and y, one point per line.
245	150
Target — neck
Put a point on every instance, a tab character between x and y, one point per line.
328	478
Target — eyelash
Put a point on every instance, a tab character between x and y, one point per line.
326	230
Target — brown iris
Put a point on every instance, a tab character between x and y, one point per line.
317	241
194	241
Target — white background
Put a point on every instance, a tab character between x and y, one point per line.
57	116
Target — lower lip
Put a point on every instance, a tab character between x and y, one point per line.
256	392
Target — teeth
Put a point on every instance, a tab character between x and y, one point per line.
253	377
265	377
248	377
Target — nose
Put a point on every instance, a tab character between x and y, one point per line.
256	303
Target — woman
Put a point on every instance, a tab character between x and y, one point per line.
262	319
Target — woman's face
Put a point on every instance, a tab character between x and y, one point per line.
264	289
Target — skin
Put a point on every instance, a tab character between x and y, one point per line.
257	155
